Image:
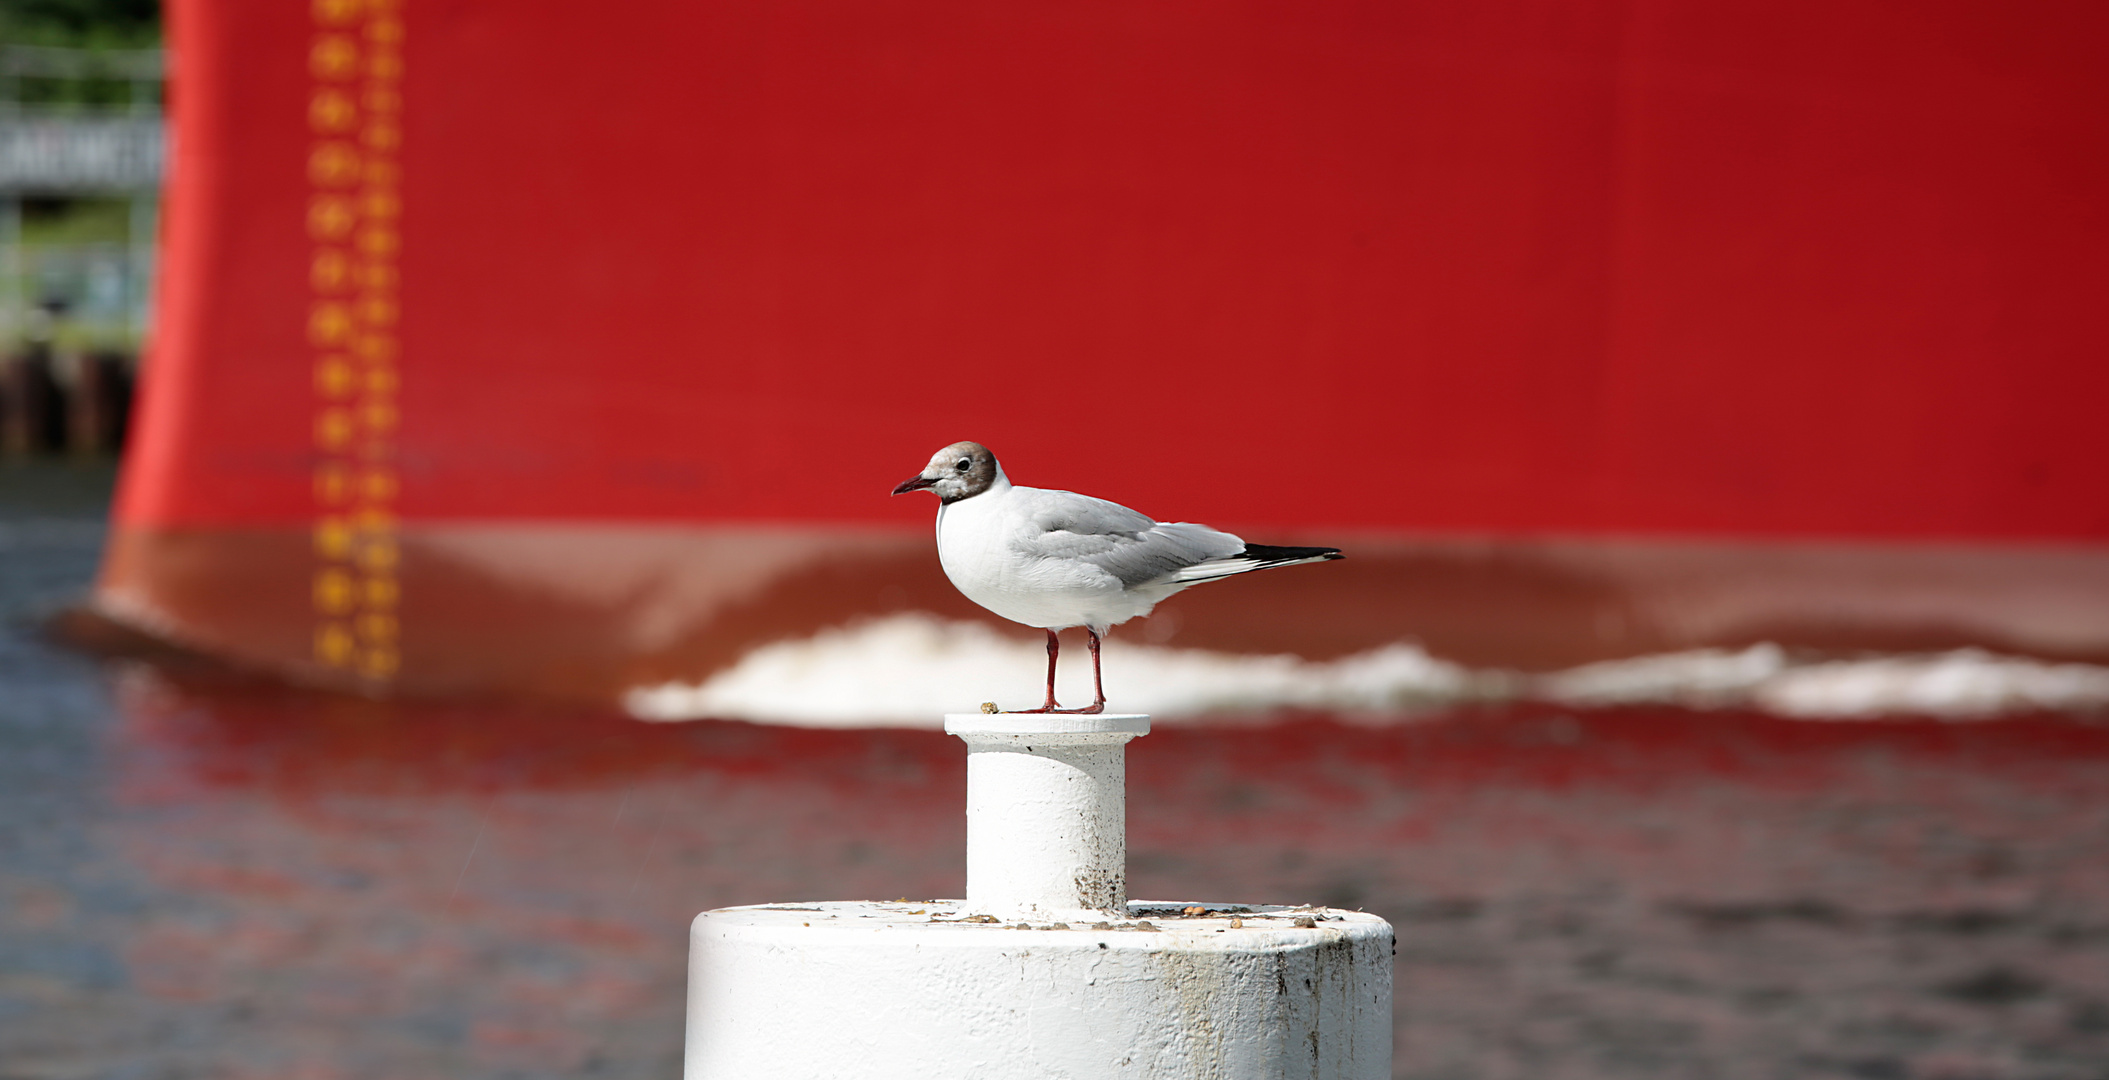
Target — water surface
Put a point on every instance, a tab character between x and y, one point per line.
206	877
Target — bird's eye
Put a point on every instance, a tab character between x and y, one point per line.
965	464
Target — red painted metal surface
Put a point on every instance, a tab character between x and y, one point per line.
1570	265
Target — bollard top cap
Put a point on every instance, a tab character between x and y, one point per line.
1129	724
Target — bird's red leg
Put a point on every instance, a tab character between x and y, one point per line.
1054	648
1098	686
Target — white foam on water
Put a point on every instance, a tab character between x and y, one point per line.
1967	684
1699	678
908	670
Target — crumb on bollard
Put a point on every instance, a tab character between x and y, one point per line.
990	707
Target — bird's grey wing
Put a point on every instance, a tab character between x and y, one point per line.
1124	543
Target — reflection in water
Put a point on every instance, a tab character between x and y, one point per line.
328	887
455	889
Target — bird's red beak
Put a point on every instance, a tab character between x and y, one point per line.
915	484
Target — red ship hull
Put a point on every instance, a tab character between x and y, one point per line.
508	348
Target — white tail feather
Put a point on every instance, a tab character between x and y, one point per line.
1223	568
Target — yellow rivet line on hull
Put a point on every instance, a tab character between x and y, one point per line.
355	60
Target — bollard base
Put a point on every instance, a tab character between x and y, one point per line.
921	990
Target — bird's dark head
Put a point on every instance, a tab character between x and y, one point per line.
959	471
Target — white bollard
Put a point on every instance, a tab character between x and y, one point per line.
1047	812
1045	970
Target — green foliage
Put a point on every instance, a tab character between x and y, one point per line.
68	222
93	24
109	28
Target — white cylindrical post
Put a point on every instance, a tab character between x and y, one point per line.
1047	812
1046	969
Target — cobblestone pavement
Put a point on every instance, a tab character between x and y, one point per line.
203	878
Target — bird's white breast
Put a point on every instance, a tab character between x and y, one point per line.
985	546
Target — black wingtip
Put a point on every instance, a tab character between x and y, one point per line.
1269	553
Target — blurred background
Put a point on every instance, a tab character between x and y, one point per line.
492	568
80	176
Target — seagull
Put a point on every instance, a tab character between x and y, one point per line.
1057	559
